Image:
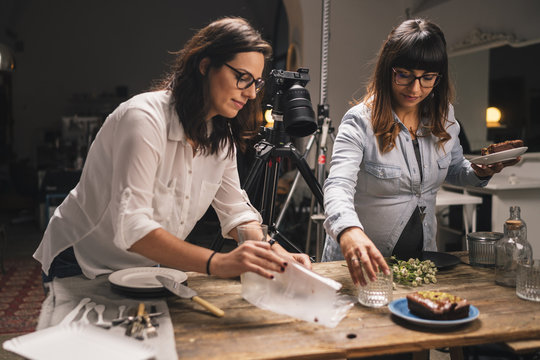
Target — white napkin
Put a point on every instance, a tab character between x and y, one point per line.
64	295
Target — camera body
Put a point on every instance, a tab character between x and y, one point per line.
291	99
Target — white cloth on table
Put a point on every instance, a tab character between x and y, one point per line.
64	295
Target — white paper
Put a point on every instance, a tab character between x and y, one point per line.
299	293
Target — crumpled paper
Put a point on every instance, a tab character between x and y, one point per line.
300	293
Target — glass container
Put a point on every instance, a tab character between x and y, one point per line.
511	250
482	247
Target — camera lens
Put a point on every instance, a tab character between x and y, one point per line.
298	117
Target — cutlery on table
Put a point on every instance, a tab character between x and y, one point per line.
136	327
121	310
130	319
73	313
150	330
84	317
185	292
100	322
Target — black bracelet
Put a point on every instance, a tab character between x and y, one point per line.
208	262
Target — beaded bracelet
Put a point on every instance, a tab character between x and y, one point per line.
208	262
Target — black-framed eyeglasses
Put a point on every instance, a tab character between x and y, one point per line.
406	78
245	79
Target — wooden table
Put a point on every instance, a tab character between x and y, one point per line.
247	332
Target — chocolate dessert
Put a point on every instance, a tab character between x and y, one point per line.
437	305
505	145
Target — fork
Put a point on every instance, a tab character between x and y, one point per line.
150	329
100	322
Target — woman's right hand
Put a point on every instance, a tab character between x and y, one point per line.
359	250
254	256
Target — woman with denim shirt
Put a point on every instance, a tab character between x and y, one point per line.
392	153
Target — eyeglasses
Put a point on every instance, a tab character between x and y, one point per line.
245	79
406	78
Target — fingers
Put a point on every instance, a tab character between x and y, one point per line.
303	260
355	269
257	257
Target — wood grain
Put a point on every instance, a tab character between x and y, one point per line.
247	332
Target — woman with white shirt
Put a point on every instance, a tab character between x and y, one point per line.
392	153
161	159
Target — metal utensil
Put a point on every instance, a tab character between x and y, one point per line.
150	329
84	317
73	313
130	319
185	292
100	322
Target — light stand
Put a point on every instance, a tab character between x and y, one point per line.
324	130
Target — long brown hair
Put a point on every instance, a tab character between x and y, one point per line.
220	41
414	44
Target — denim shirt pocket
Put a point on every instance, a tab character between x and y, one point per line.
443	163
382	179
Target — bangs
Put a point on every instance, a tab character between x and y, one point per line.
426	53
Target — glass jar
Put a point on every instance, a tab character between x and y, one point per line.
481	246
510	250
515	214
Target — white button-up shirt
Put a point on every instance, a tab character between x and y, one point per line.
141	174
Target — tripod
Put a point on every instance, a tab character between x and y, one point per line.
269	154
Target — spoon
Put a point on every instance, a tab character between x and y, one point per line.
100	322
87	308
73	313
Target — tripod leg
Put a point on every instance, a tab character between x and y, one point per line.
253	175
282	239
308	176
294	185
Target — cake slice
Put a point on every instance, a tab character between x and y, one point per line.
437	305
498	147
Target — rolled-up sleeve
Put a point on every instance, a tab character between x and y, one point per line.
339	187
136	155
460	171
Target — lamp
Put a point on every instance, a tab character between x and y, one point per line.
493	117
7	61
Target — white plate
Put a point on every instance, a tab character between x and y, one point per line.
144	278
77	341
400	308
499	156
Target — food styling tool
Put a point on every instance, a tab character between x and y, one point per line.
185	292
73	313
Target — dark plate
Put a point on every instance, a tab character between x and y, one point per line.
441	260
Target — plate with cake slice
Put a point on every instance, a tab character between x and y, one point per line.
499	152
434	309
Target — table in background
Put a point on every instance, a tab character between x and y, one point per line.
247	332
448	198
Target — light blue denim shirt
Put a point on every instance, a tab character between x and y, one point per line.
379	192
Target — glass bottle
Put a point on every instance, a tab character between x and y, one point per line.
510	250
515	214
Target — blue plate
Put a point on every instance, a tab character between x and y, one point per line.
400	308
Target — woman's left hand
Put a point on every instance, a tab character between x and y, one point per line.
492	169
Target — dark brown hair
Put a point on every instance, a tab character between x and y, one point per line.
220	41
414	44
